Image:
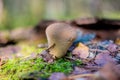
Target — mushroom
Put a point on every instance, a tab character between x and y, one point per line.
60	36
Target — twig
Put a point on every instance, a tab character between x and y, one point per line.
106	48
95	51
98	50
70	58
50	47
81	76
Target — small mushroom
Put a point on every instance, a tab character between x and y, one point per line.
61	35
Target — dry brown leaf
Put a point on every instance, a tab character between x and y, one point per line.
0	61
117	41
81	51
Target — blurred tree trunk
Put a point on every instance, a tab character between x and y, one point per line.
1	11
113	5
23	12
37	9
55	9
96	8
16	12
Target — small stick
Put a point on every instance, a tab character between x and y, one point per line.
98	50
70	58
95	51
81	76
50	47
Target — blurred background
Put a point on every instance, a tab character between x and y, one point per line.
26	13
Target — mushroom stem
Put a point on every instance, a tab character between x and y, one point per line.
61	36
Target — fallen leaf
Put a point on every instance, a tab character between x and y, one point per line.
103	58
81	51
57	76
9	51
117	41
46	56
110	72
81	70
112	48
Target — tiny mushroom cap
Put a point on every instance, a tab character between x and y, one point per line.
62	36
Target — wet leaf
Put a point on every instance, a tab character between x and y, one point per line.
84	37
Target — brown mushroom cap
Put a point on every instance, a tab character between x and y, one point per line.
62	35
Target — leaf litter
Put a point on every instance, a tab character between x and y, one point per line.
96	56
100	59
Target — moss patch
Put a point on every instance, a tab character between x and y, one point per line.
19	69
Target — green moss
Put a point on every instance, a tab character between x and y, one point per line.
26	68
18	69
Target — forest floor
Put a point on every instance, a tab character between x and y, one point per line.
94	57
